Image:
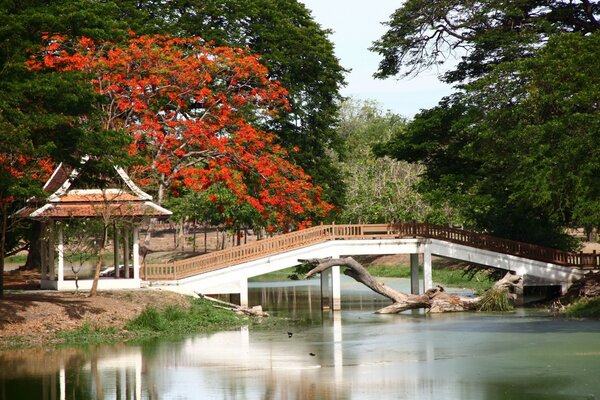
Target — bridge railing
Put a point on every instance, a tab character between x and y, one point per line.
277	244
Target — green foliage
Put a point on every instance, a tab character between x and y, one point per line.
86	335
584	308
483	33
479	281
175	320
517	151
297	52
495	299
47	114
379	190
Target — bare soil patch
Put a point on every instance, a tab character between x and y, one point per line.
38	315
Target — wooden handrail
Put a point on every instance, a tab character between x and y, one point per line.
322	233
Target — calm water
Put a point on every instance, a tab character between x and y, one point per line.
353	354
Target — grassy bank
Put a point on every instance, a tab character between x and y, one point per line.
155	321
171	321
583	308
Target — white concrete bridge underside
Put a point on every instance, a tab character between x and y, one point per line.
234	279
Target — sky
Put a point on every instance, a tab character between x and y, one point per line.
355	25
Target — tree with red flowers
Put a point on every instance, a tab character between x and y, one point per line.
22	169
192	110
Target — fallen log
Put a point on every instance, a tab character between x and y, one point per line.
255	311
435	300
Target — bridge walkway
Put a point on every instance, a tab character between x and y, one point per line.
210	273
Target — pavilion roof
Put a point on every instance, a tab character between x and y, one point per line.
65	201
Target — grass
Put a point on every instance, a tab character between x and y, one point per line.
451	277
495	299
172	321
445	276
17	259
201	316
584	308
86	335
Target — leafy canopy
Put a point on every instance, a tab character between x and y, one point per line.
482	33
518	150
191	110
379	190
296	51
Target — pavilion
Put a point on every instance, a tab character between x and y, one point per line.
124	206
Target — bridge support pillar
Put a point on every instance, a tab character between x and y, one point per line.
414	273
336	288
331	298
427	276
325	290
244	292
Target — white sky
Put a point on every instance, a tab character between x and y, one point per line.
355	25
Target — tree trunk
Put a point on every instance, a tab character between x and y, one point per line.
3	245
434	300
34	257
94	289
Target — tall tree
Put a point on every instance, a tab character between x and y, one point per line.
379	190
496	150
517	151
41	112
481	33
189	108
297	52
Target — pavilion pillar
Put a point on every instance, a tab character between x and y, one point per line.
427	275
414	273
116	250
126	250
44	253
51	251
136	252
61	253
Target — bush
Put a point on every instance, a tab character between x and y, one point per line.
584	308
495	299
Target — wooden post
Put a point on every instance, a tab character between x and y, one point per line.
44	252
126	250
116	250
61	254
51	252
136	252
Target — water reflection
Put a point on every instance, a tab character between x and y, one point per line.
353	354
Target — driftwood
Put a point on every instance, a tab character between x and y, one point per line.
255	311
435	300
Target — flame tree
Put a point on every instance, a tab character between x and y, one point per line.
192	109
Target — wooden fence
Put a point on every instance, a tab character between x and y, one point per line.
318	234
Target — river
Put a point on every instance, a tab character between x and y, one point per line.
352	354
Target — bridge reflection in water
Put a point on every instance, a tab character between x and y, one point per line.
357	355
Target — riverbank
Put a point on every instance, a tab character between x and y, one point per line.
48	318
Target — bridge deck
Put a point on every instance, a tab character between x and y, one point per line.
278	244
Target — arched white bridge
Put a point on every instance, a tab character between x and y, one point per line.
228	271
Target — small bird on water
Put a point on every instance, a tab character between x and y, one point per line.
312	354
290	334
